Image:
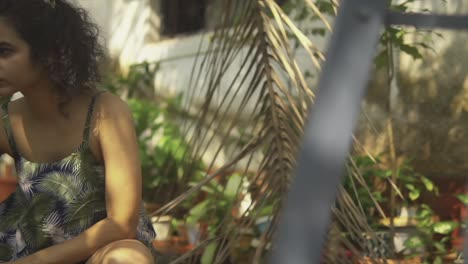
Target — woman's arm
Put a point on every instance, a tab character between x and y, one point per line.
116	135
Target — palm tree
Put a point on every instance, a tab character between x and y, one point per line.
253	51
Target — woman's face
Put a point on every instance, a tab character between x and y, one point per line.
17	71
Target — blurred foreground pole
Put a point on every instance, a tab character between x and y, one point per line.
306	216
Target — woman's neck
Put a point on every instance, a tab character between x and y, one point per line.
42	102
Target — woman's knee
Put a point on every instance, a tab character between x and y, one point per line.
127	251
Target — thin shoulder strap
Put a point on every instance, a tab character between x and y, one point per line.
8	129
89	118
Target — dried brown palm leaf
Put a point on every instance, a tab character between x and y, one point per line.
252	86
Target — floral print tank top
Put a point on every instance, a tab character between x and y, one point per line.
55	201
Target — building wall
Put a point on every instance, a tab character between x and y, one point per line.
127	25
428	99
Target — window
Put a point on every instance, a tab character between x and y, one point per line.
183	16
190	16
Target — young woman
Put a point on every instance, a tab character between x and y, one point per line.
79	194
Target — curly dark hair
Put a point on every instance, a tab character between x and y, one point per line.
62	38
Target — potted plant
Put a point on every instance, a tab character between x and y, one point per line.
220	200
432	236
417	231
163	152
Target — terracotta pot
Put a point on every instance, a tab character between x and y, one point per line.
7	187
163	246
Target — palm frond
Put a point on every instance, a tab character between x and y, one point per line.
248	82
252	86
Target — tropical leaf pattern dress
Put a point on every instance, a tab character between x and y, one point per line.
55	201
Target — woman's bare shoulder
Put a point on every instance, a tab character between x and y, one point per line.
109	110
111	106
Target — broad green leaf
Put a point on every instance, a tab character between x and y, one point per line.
414	194
209	253
438	260
232	186
445	239
410	186
424	213
410	50
440	247
266	211
426	207
445	227
381	59
198	211
463	198
427	183
414	242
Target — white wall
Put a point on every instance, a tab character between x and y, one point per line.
100	11
131	29
127	22
127	26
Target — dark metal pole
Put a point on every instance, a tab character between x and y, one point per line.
304	223
454	22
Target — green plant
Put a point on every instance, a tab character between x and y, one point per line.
396	36
412	184
432	235
137	82
364	175
463	198
220	202
369	180
163	152
165	157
